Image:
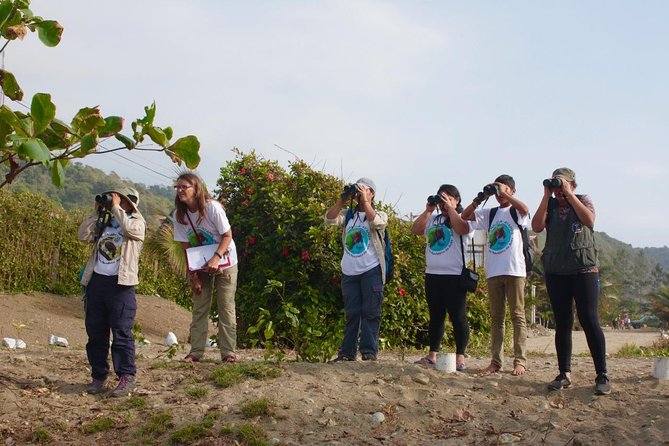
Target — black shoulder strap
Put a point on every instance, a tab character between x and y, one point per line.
493	211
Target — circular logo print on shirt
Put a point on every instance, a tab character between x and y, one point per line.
499	237
207	238
109	247
439	238
357	241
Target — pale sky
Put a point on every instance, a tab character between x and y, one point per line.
411	94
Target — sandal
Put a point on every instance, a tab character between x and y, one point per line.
460	367
426	361
230	358
191	358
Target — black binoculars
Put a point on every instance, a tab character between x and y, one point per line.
552	182
350	190
491	189
104	199
434	199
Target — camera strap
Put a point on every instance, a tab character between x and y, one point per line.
197	234
462	251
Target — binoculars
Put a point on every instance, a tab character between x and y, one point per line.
434	199
491	189
552	182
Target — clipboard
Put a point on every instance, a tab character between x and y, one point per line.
198	256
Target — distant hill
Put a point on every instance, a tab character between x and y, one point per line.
661	255
83	183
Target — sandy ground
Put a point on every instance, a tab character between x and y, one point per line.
43	387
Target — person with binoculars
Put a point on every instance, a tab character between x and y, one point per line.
569	259
447	238
116	229
362	265
504	267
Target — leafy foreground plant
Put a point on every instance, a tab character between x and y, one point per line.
193	432
235	374
658	349
41	435
252	435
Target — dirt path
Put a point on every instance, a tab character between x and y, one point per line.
615	339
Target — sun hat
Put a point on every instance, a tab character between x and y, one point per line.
565	173
367	182
128	193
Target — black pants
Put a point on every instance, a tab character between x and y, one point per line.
584	290
444	294
110	306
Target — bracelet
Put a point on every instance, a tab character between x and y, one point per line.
217	254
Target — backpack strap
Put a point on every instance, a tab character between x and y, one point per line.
493	211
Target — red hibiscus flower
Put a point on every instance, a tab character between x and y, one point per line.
402	292
245	202
251	240
305	255
270	176
285	252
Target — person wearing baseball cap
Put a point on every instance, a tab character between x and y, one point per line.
570	263
116	229
363	268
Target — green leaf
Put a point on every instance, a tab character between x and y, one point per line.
129	143
269	330
187	149
5	12
9	86
35	150
168	132
58	172
42	111
12	119
61	128
49	32
88	143
113	125
87	119
157	135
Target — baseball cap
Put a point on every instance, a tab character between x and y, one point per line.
565	173
367	182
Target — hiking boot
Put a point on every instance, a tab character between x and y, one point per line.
96	386
560	382
602	384
126	384
339	359
368	357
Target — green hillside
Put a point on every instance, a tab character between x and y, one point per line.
84	182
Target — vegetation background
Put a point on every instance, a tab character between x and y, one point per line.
289	291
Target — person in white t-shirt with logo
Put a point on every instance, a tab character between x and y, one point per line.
201	220
505	268
447	238
363	269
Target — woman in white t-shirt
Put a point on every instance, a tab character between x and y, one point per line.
447	238
201	220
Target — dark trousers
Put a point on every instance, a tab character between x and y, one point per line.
110	307
363	295
444	294
583	289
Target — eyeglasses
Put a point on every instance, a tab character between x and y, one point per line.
183	186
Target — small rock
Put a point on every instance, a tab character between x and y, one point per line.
50	379
378	417
274	440
328	411
13	344
170	340
421	379
19	358
493	383
506	438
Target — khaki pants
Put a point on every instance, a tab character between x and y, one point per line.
225	284
501	289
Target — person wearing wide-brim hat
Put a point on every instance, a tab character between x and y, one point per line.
116	229
569	259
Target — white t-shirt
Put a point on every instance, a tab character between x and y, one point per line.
504	256
359	253
109	244
210	227
443	253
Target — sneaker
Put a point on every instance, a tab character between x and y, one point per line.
368	357
602	384
339	359
460	367
126	385
560	382
96	386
